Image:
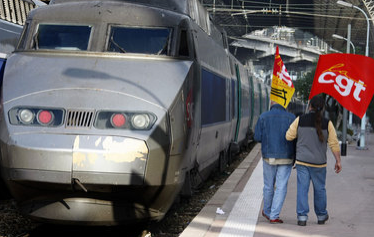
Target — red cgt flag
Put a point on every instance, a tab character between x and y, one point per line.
349	78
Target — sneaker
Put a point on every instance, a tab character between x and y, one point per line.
276	221
321	222
264	215
301	223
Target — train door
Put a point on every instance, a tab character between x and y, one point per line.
260	98
185	50
256	101
251	103
239	103
233	104
267	99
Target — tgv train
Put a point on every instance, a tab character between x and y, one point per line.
110	109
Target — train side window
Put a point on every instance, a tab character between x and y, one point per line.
62	37
183	44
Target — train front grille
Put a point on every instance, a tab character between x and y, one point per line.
79	118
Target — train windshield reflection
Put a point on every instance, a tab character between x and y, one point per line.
62	37
139	40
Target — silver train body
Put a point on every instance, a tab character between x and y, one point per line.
110	109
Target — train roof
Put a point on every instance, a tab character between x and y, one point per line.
91	12
180	6
191	8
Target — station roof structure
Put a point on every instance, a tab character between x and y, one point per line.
322	18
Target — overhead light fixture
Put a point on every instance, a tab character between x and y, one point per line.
337	36
346	4
342	38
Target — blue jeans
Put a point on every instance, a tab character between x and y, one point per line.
305	174
275	188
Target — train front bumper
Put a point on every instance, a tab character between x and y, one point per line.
41	177
59	159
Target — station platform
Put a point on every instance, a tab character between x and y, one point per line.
235	209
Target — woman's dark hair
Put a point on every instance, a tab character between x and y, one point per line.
317	104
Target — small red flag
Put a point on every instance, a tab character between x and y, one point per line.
349	78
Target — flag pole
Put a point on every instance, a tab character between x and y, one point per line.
343	149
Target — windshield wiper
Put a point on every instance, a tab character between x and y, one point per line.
36	41
164	48
117	45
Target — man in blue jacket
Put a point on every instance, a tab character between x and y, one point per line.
278	156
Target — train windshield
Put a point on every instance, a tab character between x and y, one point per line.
139	40
62	37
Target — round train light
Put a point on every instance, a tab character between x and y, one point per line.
26	116
45	117
140	121
118	120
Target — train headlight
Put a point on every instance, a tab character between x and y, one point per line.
140	121
125	120
33	116
45	117
26	116
118	120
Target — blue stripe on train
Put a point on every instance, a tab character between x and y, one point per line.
2	66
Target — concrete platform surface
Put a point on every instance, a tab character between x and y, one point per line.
235	210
